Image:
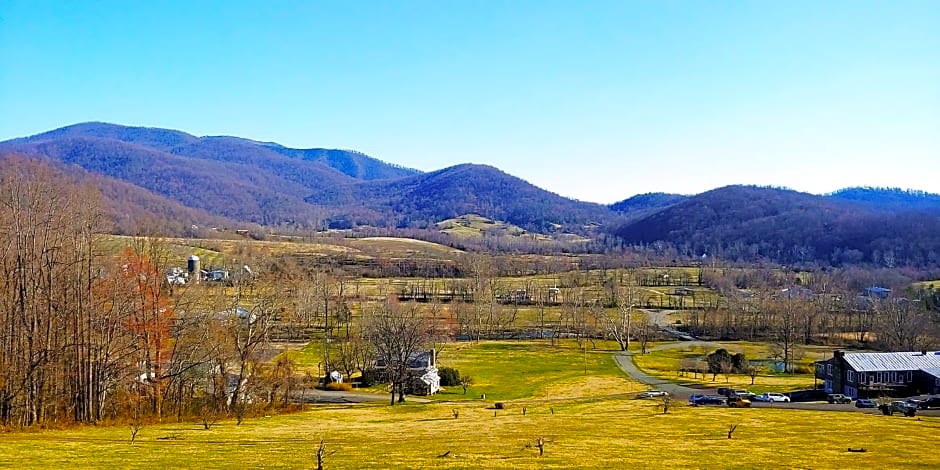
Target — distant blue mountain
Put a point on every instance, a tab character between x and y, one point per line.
647	203
224	148
893	199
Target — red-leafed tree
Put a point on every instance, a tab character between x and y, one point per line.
149	318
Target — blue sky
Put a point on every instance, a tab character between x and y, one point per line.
592	100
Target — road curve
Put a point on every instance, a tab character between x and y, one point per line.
625	362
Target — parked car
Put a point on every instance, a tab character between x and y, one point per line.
652	394
714	400
738	402
725	391
772	397
915	402
741	392
898	406
699	399
838	398
866	403
932	402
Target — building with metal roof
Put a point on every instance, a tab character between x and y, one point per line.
893	361
868	375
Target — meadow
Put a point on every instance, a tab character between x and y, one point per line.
585	420
665	363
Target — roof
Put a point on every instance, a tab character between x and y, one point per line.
893	361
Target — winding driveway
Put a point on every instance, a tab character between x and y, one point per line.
625	362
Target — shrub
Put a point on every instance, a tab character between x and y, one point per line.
803	370
339	386
369	378
450	377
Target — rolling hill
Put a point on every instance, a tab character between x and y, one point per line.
645	204
150	174
748	223
891	199
465	189
269	184
130	209
223	148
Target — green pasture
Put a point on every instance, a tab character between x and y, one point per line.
583	420
520	370
665	363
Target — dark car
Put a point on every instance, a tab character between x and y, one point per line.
903	407
932	402
838	398
725	391
697	400
866	403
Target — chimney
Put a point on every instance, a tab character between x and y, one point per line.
838	354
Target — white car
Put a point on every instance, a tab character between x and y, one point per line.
652	394
773	397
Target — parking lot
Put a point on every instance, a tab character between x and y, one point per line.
680	392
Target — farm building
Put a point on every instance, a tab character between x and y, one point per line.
871	375
423	371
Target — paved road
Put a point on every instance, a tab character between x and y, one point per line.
678	390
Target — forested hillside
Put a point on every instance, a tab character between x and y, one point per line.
645	204
181	180
465	189
129	209
890	198
272	185
749	223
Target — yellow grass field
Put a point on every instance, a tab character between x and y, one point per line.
585	421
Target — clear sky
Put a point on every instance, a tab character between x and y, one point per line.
590	99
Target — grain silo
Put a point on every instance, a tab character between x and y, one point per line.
194	268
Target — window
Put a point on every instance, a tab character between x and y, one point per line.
850	376
910	376
828	369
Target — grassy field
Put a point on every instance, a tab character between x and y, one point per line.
586	421
538	371
665	363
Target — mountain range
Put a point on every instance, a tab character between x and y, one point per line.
176	180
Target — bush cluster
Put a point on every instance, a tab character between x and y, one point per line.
339	386
369	378
450	377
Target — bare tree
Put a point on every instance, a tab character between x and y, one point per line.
644	332
619	327
465	382
397	332
903	324
753	370
786	331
